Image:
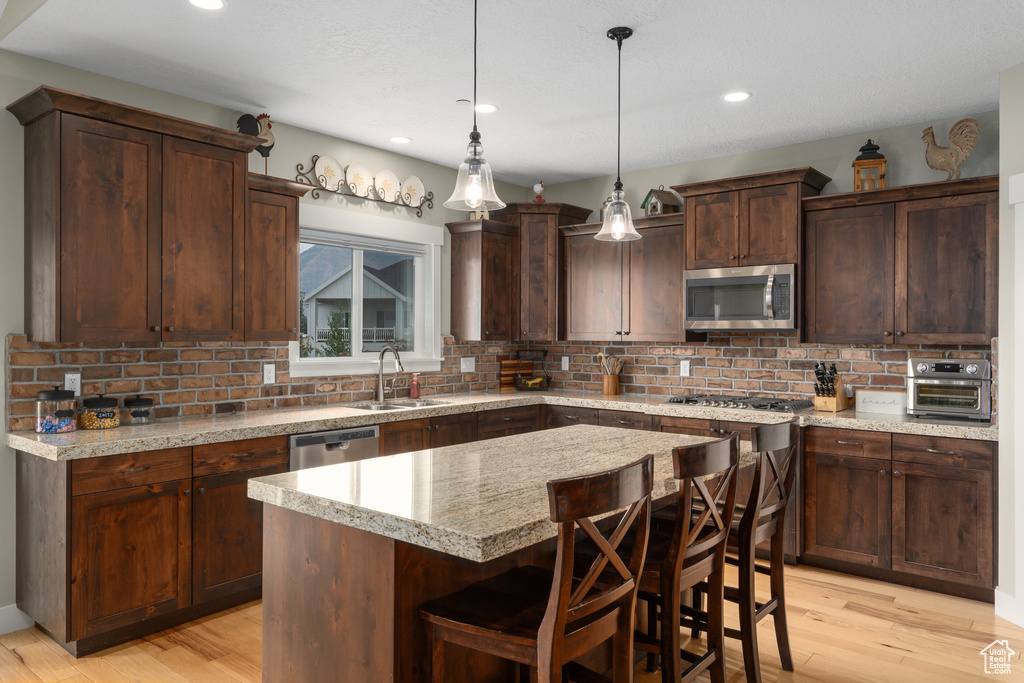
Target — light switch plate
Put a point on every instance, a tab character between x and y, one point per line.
468	364
565	363
684	368
73	382
269	373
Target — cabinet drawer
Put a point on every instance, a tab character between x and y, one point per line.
567	416
687	425
624	419
230	456
937	450
524	418
93	475
856	443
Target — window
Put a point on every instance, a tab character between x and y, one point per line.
358	294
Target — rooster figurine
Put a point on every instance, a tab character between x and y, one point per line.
962	138
260	127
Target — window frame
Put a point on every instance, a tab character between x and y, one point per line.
367	228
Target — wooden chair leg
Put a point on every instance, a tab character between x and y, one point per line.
622	648
716	620
437	660
778	591
671	661
748	616
697	603
652	630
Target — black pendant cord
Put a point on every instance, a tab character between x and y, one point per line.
618	129
474	73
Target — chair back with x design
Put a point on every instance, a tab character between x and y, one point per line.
775	445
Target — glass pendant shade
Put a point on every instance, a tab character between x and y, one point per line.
618	223
474	187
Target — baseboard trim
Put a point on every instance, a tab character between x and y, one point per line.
13	619
1009	607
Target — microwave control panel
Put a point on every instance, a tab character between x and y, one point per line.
781	301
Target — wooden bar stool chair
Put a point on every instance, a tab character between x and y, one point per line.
545	619
693	552
761	519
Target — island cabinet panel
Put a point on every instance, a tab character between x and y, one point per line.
566	416
130	556
508	421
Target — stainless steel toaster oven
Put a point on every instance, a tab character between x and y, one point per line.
939	387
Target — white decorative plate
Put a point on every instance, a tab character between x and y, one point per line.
358	178
413	191
386	184
329	172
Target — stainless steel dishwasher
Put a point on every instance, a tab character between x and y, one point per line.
317	449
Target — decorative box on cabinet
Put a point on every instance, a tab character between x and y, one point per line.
485	281
134	223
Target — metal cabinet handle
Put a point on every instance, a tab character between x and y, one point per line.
572	417
291	329
721	431
896	473
155	328
188	492
202	490
933	450
244	455
899	334
886	333
743	256
732	258
625	422
626	333
135	469
507	419
850	443
170	328
882	472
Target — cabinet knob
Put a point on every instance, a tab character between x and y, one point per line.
626	333
899	334
188	492
732	258
572	417
896	473
721	431
743	256
202	490
886	333
713	431
170	328
292	330
155	328
881	472
487	333
507	419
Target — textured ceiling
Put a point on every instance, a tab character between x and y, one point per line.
366	71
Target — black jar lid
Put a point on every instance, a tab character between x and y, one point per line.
56	394
99	402
138	401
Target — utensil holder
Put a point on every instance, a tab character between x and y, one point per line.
611	385
833	404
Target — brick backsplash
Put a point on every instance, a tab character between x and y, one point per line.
218	377
204	378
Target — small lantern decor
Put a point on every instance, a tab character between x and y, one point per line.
869	169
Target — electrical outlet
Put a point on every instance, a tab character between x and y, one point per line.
269	373
468	364
73	382
684	368
565	363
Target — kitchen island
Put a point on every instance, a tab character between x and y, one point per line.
352	550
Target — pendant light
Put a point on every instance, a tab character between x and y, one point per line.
617	223
474	187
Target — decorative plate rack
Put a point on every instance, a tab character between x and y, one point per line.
310	176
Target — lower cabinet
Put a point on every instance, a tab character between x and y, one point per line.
695	426
508	421
433	432
566	416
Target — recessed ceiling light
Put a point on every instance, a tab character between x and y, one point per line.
208	4
486	109
401	139
736	96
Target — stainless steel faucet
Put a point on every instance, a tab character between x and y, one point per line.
380	369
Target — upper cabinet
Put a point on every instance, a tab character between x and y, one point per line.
134	223
485	281
747	221
539	263
905	265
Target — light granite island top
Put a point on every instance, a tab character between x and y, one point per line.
477	501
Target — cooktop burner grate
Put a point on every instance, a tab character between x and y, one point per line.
775	405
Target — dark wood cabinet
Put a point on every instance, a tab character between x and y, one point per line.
539	263
451	430
134	223
629	291
427	432
508	421
747	221
624	419
906	265
696	426
272	258
567	416
485	282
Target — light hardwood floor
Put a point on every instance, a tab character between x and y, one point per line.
842	629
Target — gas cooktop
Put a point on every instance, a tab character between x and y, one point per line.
775	405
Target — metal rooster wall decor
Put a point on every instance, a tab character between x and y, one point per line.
962	138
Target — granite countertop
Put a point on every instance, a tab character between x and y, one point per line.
478	500
263	423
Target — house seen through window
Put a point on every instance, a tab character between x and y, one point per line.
356	295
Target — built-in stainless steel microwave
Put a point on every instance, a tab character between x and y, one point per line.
746	298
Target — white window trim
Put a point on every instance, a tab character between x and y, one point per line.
425	359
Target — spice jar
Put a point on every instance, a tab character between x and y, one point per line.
55	411
99	413
138	410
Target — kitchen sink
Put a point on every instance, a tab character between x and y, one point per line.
373	405
419	403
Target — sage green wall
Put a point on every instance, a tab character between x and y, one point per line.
902	146
19	75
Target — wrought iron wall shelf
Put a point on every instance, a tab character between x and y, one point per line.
309	176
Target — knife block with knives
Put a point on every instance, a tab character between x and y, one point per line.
838	401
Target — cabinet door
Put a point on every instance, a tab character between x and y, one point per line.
623	419
946	269
203	237
538	265
593	288
227	534
404	436
654	293
942	523
712	230
769	225
109	232
847	509
496	303
849	275
508	421
143	532
567	416
271	267
449	430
